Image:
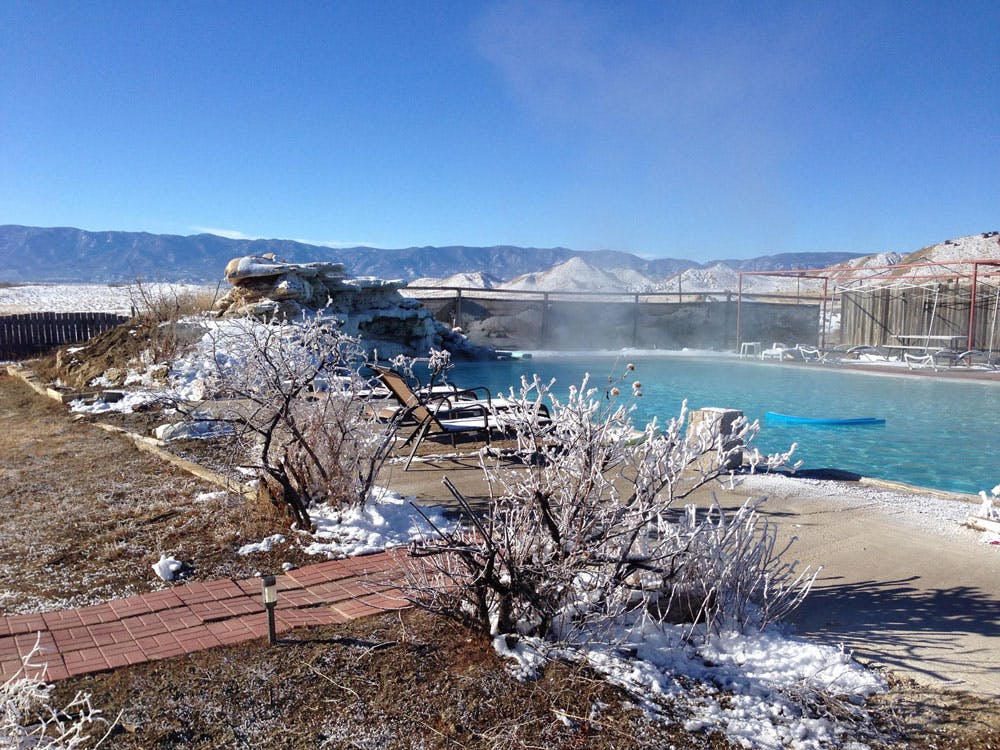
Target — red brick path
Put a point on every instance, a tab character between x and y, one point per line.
196	616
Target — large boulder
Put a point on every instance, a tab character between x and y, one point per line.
370	308
257	266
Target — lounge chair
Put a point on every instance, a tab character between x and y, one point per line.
445	400
809	353
777	351
975	358
781	352
450	415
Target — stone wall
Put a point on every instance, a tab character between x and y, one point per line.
587	324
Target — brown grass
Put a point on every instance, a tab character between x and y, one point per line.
395	681
85	515
168	306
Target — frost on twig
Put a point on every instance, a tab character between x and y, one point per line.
587	532
298	402
29	720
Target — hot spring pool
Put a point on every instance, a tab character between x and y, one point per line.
938	433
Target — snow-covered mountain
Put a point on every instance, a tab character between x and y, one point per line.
67	255
957	253
473	280
983	246
575	275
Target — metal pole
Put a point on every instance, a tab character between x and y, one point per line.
635	321
739	311
545	308
971	338
822	328
271	637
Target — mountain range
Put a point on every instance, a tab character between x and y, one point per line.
68	255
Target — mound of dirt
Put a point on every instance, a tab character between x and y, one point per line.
137	345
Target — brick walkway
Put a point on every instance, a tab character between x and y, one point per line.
197	616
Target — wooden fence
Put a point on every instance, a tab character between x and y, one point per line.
32	334
936	312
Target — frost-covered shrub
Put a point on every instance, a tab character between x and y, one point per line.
588	531
29	720
297	391
988	508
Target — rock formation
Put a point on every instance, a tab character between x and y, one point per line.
371	308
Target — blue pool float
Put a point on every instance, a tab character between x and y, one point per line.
789	419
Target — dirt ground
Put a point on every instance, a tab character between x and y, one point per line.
85	515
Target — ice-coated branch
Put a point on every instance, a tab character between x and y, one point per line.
583	532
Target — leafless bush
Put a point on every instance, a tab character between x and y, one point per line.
159	309
734	570
28	719
587	531
296	395
156	304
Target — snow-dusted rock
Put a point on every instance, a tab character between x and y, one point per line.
292	286
367	307
253	266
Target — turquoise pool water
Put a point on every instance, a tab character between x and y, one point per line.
938	433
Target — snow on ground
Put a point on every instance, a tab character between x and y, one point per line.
130	402
755	686
167	568
111	298
387	520
920	510
264	545
188	374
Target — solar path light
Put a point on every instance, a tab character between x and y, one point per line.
270	594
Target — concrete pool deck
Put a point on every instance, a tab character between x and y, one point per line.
905	585
959	373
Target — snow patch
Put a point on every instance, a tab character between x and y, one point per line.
265	545
167	568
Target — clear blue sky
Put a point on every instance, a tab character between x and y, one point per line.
698	130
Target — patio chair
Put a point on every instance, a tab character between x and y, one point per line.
809	353
446	400
443	414
976	358
776	351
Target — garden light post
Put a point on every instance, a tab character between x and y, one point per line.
270	594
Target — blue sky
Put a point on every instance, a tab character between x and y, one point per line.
667	129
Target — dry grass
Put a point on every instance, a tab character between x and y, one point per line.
411	680
396	681
155	306
85	515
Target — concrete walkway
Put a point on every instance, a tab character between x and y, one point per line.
196	616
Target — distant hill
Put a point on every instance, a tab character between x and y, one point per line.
67	255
